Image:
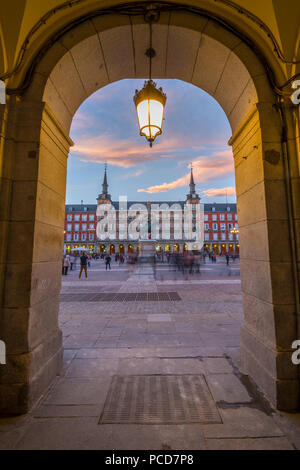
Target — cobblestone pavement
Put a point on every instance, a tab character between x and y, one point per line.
164	343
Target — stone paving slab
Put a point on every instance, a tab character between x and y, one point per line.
78	391
227	388
68	411
92	368
65	434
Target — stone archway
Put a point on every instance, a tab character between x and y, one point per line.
101	50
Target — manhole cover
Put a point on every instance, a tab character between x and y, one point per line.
159	399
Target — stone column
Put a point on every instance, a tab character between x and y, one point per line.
34	160
268	287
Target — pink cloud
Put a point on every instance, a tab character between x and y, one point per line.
220	192
205	168
82	121
133	174
124	153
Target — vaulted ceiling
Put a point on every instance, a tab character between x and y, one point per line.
26	24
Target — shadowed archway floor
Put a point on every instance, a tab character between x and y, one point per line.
159	351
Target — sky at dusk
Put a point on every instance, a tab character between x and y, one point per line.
195	130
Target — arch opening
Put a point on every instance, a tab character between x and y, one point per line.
196	51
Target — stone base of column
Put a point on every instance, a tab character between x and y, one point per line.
27	376
272	371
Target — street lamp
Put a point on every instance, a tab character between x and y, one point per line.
150	101
234	231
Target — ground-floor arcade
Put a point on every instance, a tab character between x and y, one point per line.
163	247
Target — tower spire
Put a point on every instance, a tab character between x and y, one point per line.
192	183
192	196
104	195
105	185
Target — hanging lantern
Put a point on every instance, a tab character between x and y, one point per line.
150	107
150	101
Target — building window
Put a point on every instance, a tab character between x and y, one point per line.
215	236
85	209
76	227
69	237
214	217
230	236
92	226
206	227
69	217
69	228
228	209
223	235
205	216
83	237
222	216
76	237
92	217
229	216
84	217
215	226
223	227
91	237
230	227
77	217
206	236
214	209
84	227
235	216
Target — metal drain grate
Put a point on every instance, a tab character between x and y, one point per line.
159	399
122	297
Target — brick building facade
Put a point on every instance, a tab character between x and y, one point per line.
81	225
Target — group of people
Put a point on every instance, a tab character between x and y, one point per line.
70	262
187	262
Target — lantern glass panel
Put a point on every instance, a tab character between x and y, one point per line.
150	115
143	114
156	116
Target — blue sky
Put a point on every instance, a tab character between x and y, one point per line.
195	130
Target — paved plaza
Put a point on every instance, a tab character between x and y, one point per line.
151	361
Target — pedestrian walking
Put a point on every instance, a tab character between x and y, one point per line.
107	262
227	259
66	264
83	264
72	262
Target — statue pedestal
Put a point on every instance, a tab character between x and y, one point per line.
147	251
147	247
